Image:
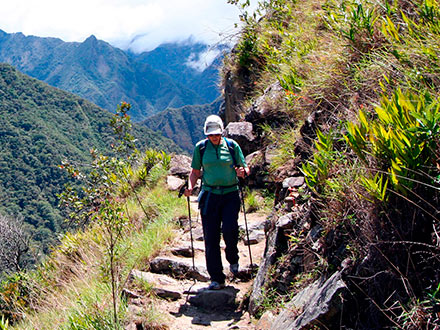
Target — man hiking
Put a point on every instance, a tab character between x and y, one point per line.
219	162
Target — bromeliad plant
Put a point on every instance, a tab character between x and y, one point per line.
316	171
402	140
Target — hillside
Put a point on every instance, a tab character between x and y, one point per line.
343	98
40	126
183	125
106	75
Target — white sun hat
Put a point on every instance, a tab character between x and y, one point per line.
213	125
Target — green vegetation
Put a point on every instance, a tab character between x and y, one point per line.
41	126
79	285
362	76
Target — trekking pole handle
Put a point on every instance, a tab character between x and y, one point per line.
182	189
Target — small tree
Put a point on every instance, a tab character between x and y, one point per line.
98	201
14	244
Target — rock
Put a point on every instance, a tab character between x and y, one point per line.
215	299
183	251
255	158
286	221
260	225
234	96
258	170
313	306
273	245
180	166
255	237
201	320
198	234
261	109
163	286
242	133
178	269
265	321
174	183
293	182
130	294
270	153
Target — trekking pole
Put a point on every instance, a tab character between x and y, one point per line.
181	191
246	225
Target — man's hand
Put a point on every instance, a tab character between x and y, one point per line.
187	192
242	171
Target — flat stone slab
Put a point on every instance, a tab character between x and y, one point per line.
214	299
178	269
185	251
255	237
162	285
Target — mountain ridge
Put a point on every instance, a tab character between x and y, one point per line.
107	75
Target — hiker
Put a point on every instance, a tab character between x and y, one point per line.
223	163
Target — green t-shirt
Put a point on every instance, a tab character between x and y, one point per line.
218	167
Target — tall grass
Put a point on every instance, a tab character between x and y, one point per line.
71	289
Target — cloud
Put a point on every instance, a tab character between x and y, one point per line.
137	24
201	61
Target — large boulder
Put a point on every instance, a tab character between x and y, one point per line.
242	132
314	306
272	251
180	166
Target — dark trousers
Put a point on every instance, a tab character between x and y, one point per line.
220	215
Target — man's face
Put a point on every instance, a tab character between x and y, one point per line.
215	138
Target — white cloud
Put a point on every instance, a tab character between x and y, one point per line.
139	24
201	61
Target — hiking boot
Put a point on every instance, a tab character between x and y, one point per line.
216	286
234	269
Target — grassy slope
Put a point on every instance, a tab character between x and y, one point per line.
70	290
333	59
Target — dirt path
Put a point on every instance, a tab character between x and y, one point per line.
181	314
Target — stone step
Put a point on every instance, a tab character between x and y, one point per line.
178	269
162	285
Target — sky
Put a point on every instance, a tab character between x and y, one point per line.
139	25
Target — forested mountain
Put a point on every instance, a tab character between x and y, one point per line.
39	126
171	76
183	125
192	65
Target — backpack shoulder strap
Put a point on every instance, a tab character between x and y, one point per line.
202	149
231	149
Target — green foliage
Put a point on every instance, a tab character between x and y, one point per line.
247	49
316	171
353	18
41	126
17	292
4	323
421	314
100	202
251	200
402	139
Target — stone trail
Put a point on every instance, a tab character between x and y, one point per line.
180	289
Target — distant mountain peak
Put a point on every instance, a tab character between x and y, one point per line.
91	38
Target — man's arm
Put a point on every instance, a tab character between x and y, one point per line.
193	177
